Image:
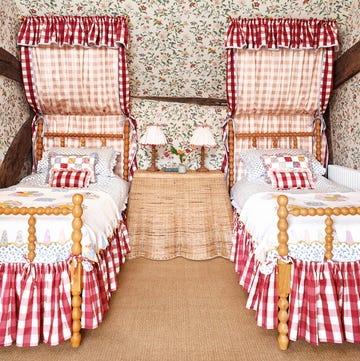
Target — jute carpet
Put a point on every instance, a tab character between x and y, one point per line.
180	310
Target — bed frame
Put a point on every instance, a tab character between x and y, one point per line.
76	211
284	269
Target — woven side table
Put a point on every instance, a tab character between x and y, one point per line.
187	215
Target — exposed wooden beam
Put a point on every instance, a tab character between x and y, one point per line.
10	66
18	157
187	100
347	65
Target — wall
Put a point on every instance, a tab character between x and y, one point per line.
13	107
176	49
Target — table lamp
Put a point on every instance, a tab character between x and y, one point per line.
153	136
202	137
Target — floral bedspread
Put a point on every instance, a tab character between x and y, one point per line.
53	233
306	234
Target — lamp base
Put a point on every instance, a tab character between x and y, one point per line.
202	161
202	169
153	168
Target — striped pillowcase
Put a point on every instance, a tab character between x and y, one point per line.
69	178
291	179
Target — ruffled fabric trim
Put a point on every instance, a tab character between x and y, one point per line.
323	300
85	31
281	33
36	298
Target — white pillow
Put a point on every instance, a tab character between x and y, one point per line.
106	158
255	168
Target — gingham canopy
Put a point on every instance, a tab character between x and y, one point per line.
75	75
279	77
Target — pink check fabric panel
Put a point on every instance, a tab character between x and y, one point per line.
76	80
75	68
279	72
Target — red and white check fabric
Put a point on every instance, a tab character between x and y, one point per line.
323	301
285	171
69	178
284	83
85	31
281	33
74	162
36	299
94	95
291	179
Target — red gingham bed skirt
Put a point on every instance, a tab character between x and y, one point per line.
35	299
324	298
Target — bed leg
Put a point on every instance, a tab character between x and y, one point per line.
284	274
76	271
283	303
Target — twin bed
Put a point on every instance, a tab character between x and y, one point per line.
64	239
296	234
296	248
63	228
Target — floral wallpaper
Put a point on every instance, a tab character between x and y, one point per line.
178	122
14	109
345	123
176	49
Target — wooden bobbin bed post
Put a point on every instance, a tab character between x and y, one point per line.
231	159
318	140
126	150
31	237
39	140
76	270
284	269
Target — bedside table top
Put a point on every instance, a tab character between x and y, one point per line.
188	175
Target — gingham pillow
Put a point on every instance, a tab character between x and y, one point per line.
106	158
291	179
286	163
69	178
255	168
75	162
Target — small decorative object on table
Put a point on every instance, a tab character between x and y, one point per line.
182	168
182	155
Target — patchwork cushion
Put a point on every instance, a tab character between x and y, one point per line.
69	178
286	162
74	162
255	168
105	162
291	179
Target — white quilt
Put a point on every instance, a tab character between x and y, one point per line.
101	215
306	234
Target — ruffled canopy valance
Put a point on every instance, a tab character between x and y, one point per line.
281	33
85	31
278	79
76	78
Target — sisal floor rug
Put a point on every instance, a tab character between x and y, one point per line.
180	310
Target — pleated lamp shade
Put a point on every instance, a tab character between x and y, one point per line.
203	137
153	136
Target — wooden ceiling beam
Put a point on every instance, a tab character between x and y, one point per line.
10	66
347	65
